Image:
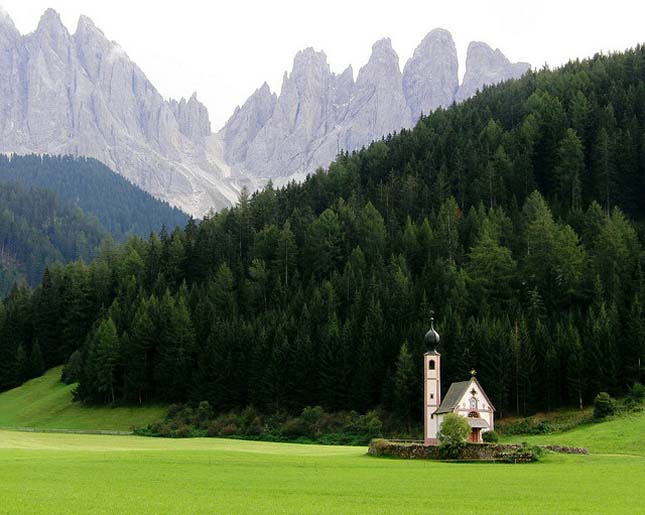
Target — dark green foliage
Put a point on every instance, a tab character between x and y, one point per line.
36	230
636	393
120	207
493	214
406	379
73	368
61	208
312	425
490	437
603	406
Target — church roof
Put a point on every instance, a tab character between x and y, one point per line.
456	393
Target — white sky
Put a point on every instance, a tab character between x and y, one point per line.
224	50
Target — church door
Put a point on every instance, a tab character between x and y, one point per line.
474	435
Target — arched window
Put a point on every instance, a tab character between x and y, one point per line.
473	403
473	414
431	365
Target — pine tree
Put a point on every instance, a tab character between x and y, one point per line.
405	379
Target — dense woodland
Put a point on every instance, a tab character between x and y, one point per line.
122	208
36	230
60	209
514	216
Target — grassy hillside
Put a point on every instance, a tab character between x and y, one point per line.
624	435
46	403
145	475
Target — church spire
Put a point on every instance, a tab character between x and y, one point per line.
432	337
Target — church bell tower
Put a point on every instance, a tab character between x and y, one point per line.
431	385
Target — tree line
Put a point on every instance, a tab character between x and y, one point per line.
514	217
59	209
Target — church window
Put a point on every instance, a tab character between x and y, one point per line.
473	403
473	414
431	365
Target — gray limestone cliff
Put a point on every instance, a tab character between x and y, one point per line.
80	94
318	113
485	66
431	75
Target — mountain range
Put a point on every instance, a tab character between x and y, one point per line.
80	94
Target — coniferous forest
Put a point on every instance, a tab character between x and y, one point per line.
60	209
516	217
121	208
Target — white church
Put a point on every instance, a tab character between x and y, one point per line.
466	398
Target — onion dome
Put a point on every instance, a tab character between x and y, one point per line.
432	337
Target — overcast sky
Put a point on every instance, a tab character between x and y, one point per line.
224	50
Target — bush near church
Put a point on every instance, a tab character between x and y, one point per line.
603	406
453	434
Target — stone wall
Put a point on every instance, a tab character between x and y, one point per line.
508	453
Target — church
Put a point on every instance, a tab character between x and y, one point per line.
466	398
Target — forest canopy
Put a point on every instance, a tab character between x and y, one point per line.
514	217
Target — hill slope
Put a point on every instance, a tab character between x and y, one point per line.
46	403
121	207
625	435
36	230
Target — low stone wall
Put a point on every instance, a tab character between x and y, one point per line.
414	450
563	449
509	453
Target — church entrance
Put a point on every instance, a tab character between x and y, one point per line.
474	436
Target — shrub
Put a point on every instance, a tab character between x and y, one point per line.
452	435
636	393
294	427
183	431
250	423
311	419
373	424
174	410
603	406
204	412
214	428
229	430
490	437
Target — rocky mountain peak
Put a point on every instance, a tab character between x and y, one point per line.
309	58
50	22
192	117
245	123
86	29
430	77
6	23
383	56
82	95
378	105
485	66
310	72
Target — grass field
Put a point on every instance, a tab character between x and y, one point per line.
63	473
46	403
76	473
624	435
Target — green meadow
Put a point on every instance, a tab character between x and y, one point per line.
65	473
46	403
80	473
